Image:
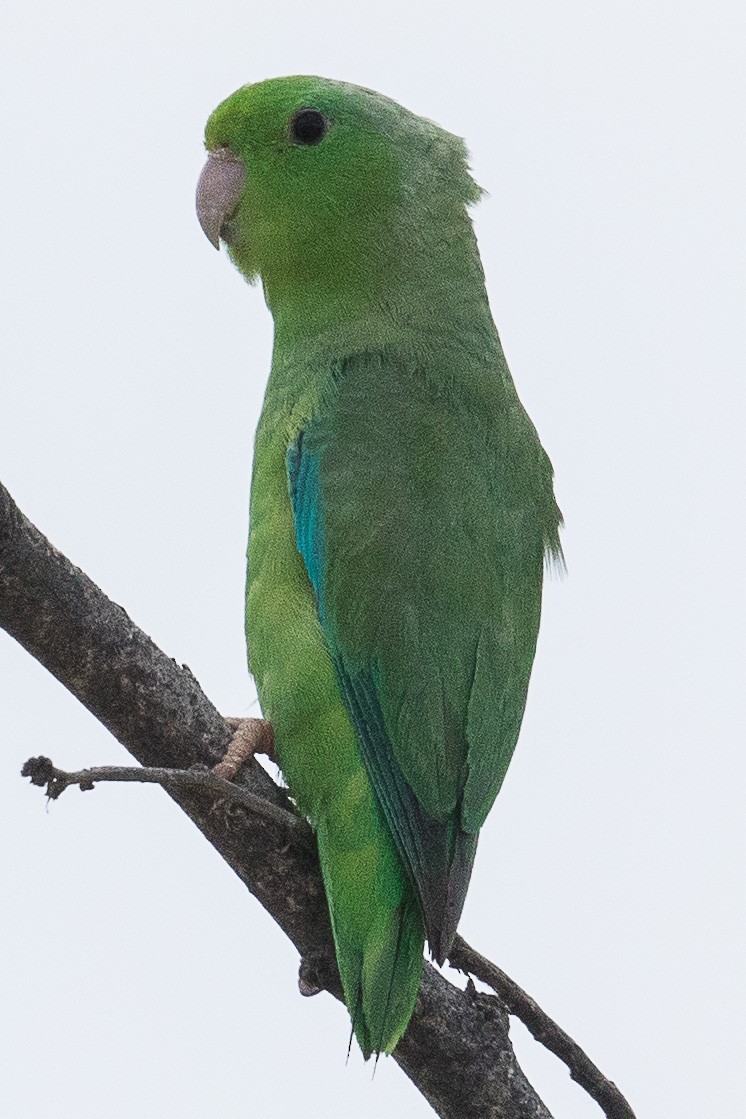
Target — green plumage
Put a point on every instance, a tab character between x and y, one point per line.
401	513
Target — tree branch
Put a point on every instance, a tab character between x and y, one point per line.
548	1033
457	1049
42	772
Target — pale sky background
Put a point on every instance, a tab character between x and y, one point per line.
139	978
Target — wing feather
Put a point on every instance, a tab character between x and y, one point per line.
422	517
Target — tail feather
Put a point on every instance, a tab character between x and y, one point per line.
391	976
442	895
378	931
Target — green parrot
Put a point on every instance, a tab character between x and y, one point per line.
402	511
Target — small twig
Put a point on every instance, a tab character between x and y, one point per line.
540	1025
43	772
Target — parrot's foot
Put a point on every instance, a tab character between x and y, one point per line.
316	973
250	736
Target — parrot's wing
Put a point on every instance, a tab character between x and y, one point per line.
419	513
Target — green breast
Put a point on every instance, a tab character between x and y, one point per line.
288	657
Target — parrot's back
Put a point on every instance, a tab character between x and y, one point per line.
401	510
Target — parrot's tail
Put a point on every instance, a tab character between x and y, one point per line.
375	916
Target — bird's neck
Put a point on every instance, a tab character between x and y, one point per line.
408	291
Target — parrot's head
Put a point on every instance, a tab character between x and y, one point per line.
311	182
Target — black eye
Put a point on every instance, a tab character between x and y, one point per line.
308	126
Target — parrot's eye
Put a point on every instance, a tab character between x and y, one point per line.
308	126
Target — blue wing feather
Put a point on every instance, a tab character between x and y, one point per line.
303	477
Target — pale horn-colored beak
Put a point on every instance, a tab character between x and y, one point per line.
219	190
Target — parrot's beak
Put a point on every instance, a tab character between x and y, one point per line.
219	190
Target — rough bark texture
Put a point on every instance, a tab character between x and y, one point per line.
457	1049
